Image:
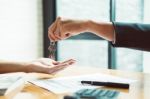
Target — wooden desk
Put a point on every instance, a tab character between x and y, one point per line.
140	90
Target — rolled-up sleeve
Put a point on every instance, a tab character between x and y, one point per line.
132	35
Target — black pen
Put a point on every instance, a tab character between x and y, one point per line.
108	84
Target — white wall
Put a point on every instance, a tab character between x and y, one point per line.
20	29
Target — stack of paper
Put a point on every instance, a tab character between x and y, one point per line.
72	84
10	83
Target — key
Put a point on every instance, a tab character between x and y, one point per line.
52	49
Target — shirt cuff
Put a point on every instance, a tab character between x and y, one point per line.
114	34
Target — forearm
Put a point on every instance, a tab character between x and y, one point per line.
104	30
6	67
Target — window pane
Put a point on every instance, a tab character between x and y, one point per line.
128	59
84	9
87	52
146	55
129	11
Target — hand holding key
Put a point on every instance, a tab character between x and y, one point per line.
52	46
63	29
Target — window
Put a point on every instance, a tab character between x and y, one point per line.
91	50
146	19
132	11
81	48
129	11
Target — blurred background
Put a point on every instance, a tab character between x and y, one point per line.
24	24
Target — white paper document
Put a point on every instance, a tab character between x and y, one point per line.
10	82
73	83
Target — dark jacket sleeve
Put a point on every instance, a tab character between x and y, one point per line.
132	35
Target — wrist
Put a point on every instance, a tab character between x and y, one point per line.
24	67
101	29
92	27
87	26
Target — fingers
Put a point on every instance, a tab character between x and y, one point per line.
58	28
54	31
54	38
57	68
50	31
57	33
50	62
60	66
70	61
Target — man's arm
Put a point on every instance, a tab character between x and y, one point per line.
62	29
130	35
102	29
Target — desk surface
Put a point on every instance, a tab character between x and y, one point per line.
140	90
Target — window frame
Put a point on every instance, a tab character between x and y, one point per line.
49	16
